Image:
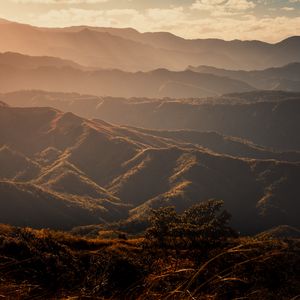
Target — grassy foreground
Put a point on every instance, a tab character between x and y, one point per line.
44	264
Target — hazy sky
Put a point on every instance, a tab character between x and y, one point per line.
269	20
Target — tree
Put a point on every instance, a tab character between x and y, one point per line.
204	224
207	222
162	221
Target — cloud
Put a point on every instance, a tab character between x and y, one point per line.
224	19
151	19
178	21
287	8
59	1
248	27
223	8
78	16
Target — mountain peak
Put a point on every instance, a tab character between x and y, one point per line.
290	40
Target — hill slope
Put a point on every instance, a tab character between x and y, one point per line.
48	73
130	50
29	205
268	118
270	124
106	172
282	78
18	60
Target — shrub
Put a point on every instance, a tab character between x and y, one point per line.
205	224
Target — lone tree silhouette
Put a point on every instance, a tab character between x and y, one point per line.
205	224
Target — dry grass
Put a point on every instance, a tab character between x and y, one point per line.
44	264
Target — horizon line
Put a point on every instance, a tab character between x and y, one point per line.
85	26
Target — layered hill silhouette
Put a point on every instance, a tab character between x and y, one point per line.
49	73
80	171
19	72
283	78
271	124
18	60
147	165
270	118
25	204
127	49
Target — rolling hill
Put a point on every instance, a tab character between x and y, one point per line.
267	118
286	78
25	204
18	60
48	73
271	124
15	165
219	143
129	50
94	172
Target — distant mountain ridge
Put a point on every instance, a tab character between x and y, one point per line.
18	60
19	72
271	124
267	118
282	78
129	50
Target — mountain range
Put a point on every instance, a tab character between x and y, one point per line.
286	78
100	125
62	170
146	165
26	72
269	118
271	124
130	50
19	72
